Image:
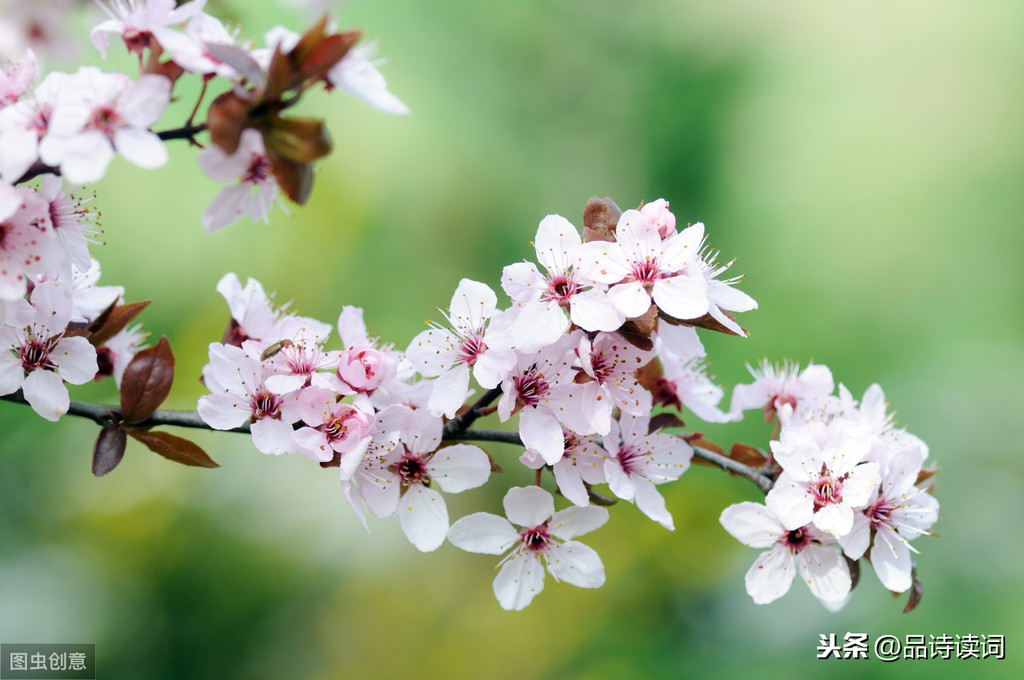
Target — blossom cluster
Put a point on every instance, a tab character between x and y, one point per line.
850	481
591	348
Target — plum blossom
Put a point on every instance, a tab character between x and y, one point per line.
28	242
99	113
24	123
608	366
567	285
658	214
236	378
114	355
641	266
545	539
361	365
299	356
541	390
16	78
899	513
405	480
448	355
685	381
638	461
783	390
253	313
823	477
140	23
581	465
255	188
723	296
38	358
333	429
802	549
74	223
357	75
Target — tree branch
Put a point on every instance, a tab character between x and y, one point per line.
41	168
456	429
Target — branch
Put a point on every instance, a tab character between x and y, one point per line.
456	429
41	168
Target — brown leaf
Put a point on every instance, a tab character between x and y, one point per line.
664	420
147	382
172	447
706	322
301	140
926	478
227	117
109	449
322	58
600	216
854	566
294	179
113	321
748	455
916	593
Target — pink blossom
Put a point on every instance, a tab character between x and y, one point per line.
74	223
24	123
333	428
236	378
823	479
361	365
658	214
115	354
541	390
28	242
783	390
405	480
253	313
99	113
41	358
140	23
544	539
567	286
638	461
685	381
450	354
608	366
803	549
16	78
255	189
722	294
643	267
581	465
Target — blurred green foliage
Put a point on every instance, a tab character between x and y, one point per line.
862	160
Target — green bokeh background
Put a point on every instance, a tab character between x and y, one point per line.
863	161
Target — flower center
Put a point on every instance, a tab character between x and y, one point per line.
796	540
412	469
265	405
629	459
535	539
827	489
531	387
36	354
647	271
471	348
880	514
106	120
560	289
259	169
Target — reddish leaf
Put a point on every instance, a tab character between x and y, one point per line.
147	382
916	592
748	455
854	566
926	478
322	58
172	447
109	449
664	420
706	322
227	117
301	140
113	321
600	218
294	179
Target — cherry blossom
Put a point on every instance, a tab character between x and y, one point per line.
541	390
253	313
99	113
358	76
28	242
41	358
638	461
644	267
361	365
141	22
24	123
406	478
658	214
802	549
776	387
74	223
255	188
898	514
450	354
581	465
567	285
114	355
723	296
299	356
16	78
685	381
236	378
545	539
823	479
608	365
333	428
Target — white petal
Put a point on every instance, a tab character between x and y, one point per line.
46	394
518	581
891	560
75	359
825	572
483	532
834	518
575	564
651	502
272	436
472	303
528	506
424	517
557	244
141	147
449	391
592	310
538	325
683	297
576	521
856	542
771	575
223	411
752	524
630	298
861	485
790	502
459	467
522	282
541	432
